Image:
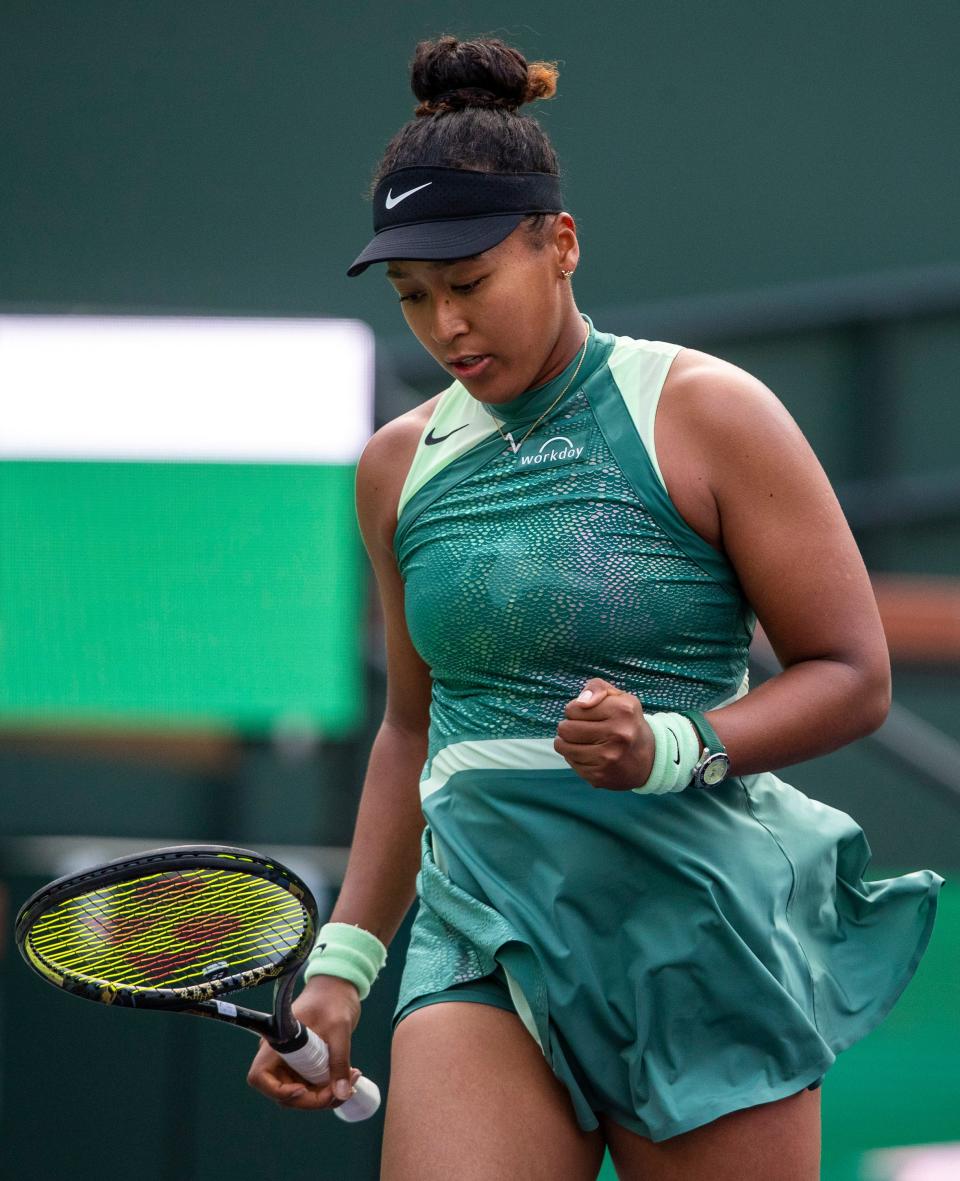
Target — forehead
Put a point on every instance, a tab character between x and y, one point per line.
407	268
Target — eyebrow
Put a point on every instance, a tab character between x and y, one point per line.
434	264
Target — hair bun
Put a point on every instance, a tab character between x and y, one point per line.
541	81
449	75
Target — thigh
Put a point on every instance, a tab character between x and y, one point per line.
471	1096
779	1139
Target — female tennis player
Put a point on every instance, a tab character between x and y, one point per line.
630	932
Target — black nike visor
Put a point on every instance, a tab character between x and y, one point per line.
447	213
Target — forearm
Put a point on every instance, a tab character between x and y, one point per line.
809	709
380	882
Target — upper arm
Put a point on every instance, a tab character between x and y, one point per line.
381	471
777	517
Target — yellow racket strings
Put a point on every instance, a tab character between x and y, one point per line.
165	929
168	924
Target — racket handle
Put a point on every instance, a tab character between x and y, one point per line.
312	1062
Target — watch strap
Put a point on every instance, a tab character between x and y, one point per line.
708	736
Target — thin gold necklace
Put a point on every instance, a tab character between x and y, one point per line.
508	437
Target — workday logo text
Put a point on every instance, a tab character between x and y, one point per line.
559	449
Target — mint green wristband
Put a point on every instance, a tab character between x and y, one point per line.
348	952
676	753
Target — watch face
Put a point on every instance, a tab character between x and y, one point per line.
715	770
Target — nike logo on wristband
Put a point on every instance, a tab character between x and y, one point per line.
677	742
432	438
391	200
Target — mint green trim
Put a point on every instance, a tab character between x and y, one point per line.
491	754
438	854
640	368
459	415
744	687
459	467
628	449
522	1005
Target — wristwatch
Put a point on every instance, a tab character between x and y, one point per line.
713	765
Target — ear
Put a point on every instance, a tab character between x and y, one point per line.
565	242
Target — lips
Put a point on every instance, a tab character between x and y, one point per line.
469	364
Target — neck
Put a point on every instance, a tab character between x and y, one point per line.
569	342
575	364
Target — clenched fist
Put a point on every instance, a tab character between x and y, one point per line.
605	737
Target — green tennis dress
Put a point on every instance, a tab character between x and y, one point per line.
676	957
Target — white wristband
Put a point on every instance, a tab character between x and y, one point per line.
676	754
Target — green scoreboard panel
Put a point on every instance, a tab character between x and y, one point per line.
178	541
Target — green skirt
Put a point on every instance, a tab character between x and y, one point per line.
676	957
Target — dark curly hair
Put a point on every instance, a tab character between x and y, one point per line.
469	96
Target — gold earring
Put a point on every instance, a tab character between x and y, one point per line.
566	274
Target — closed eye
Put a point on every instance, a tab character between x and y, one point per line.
459	288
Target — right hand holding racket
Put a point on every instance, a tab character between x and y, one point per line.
330	1006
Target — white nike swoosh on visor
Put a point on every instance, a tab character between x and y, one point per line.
392	200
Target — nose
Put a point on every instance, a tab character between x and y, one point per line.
447	321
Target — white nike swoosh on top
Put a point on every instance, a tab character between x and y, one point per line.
392	200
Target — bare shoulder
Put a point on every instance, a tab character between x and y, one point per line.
720	404
720	432
722	396
382	470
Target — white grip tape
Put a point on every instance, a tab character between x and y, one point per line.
312	1062
364	1101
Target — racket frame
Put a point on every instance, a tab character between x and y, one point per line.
306	1053
281	1029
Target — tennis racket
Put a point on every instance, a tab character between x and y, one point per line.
178	928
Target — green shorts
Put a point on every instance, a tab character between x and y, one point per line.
488	990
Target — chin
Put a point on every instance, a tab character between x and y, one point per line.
488	396
504	389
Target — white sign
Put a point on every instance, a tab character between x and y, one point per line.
188	389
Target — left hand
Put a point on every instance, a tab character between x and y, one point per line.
606	740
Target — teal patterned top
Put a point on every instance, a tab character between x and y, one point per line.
529	572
